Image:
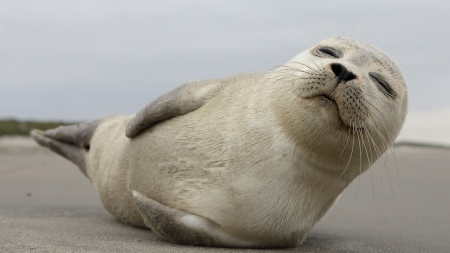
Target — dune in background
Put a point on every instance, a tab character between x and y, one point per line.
426	127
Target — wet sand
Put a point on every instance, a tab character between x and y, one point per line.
47	205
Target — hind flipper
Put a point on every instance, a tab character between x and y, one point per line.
69	151
181	227
78	134
71	142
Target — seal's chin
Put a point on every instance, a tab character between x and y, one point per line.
331	102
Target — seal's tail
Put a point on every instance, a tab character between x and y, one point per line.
71	142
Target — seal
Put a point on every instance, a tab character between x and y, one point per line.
253	160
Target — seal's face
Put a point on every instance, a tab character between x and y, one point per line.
351	96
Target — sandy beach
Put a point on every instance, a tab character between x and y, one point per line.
47	205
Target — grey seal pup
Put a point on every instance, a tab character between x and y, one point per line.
253	160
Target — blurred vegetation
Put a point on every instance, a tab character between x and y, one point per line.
16	127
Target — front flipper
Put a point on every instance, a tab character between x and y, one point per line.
183	228
186	98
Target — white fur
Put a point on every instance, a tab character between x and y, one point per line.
258	159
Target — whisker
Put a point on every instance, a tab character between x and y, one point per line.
315	63
369	160
305	66
351	154
360	158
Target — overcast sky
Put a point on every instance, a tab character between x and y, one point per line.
80	60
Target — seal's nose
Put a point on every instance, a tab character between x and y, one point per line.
342	73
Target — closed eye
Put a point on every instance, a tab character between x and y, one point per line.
328	52
382	85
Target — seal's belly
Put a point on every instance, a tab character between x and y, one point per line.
173	166
187	164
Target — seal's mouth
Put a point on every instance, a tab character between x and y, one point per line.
327	99
330	101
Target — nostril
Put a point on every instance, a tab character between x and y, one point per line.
338	69
350	76
342	73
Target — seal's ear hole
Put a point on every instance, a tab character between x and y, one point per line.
87	147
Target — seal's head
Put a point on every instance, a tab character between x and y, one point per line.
347	103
